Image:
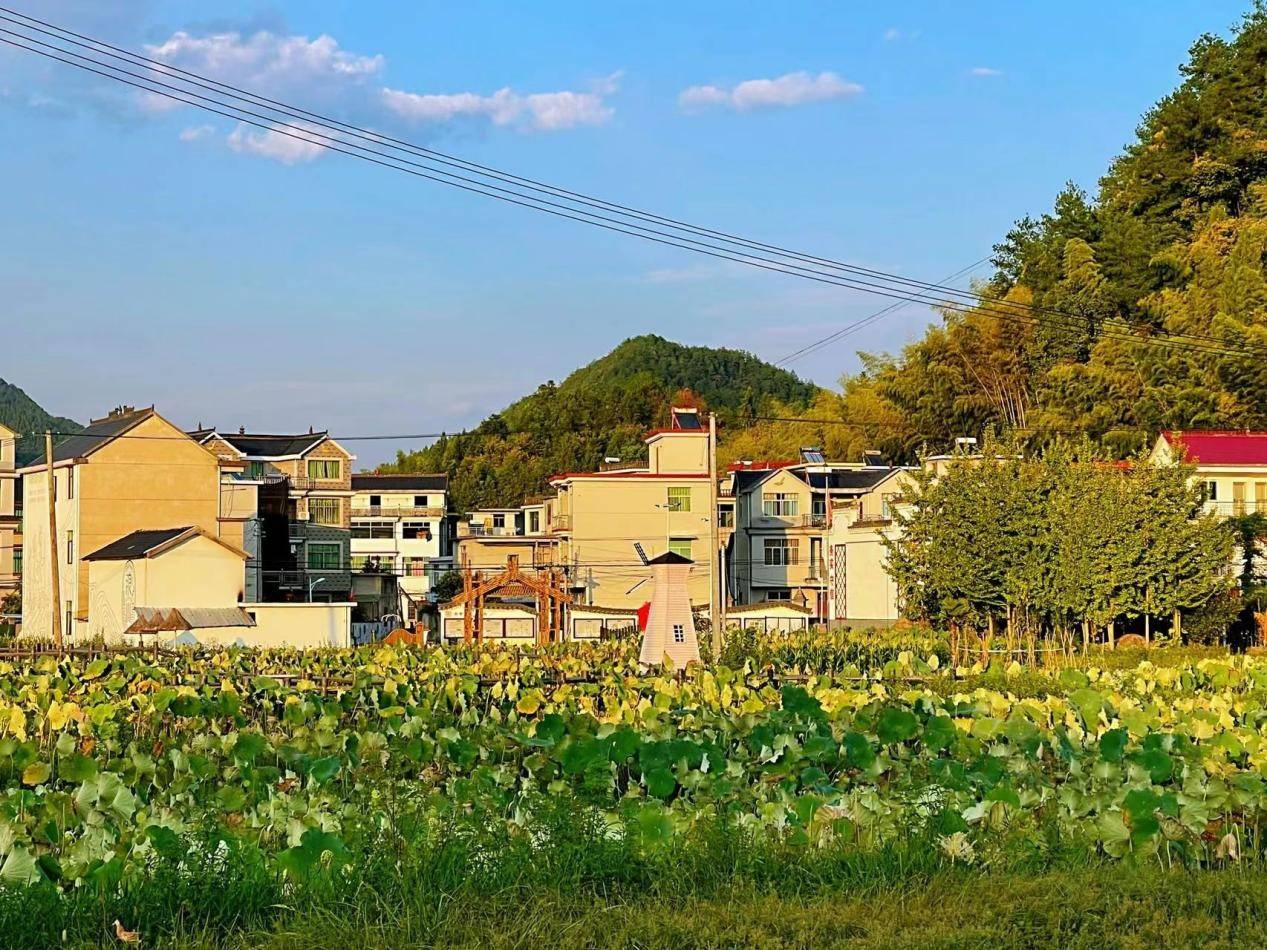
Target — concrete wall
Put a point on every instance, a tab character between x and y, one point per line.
678	452
309	626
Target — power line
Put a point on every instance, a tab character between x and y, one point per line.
866	321
1001	309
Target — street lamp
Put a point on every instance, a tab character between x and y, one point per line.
313	586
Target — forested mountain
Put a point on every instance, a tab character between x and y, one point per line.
603	409
1173	243
21	413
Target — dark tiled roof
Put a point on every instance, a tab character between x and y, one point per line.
747	479
96	435
433	482
272	446
137	544
845	479
670	557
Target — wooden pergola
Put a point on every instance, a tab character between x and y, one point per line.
546	586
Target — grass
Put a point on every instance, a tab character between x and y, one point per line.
470	883
1095	907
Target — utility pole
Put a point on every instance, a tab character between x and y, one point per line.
716	610
56	587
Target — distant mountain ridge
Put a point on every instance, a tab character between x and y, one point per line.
25	416
601	410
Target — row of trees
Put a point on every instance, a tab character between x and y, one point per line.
1062	545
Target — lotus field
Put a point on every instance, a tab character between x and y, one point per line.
302	768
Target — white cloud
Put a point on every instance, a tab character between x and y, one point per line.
542	111
892	33
318	74
792	89
984	71
288	147
266	59
196	132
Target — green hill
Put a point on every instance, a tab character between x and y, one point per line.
602	409
24	415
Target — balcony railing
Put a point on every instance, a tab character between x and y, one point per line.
561	523
792	521
389	511
492	531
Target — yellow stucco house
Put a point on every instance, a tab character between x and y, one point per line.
132	470
10	520
610	523
1230	465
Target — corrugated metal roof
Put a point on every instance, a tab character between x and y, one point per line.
1221	447
167	619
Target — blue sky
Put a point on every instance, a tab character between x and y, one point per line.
163	256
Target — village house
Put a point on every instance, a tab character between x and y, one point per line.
10	515
486	537
782	520
400	530
610	523
302	486
1230	465
130	471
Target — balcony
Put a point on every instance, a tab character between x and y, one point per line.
765	520
390	511
561	523
491	531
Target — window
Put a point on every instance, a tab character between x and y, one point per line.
372	529
420	501
325	511
376	501
780	504
819	506
778	595
417	567
361	561
887	500
782	552
255	470
726	516
534	521
679	633
1260	496
17	561
326	470
679	499
70	617
499	521
1238	498
70	482
416	530
70	547
1211	491
323	557
680	546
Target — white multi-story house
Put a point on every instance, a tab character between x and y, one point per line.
399	527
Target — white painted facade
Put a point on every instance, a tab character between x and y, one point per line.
399	525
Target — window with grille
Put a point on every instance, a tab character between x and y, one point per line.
324	511
780	504
726	516
372	529
70	547
326	470
323	557
679	633
680	546
416	530
255	470
782	552
679	498
17	561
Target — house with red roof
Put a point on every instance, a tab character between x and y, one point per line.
1231	465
